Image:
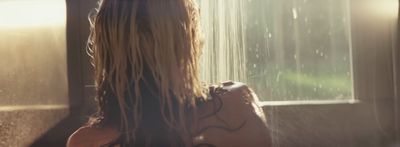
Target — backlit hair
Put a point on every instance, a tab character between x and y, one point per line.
136	41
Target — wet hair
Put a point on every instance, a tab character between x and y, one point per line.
145	55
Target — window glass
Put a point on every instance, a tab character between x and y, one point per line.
33	56
284	49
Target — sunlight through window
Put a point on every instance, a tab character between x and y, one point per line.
287	50
29	13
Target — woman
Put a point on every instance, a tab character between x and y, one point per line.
146	55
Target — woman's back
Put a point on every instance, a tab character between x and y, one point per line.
228	118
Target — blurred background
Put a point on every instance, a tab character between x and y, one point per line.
327	71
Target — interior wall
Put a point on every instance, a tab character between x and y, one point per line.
331	126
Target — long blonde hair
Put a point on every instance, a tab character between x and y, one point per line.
130	37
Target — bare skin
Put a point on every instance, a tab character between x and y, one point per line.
239	123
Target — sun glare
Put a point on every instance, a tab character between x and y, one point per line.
31	13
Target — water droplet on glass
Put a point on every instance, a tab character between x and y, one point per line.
294	11
278	76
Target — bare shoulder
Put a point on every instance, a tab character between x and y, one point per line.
236	111
238	90
92	137
240	97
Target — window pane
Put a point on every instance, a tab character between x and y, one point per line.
33	56
284	49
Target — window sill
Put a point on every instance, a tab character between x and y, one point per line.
304	102
32	107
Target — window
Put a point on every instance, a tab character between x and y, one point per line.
286	50
33	75
33	52
305	57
